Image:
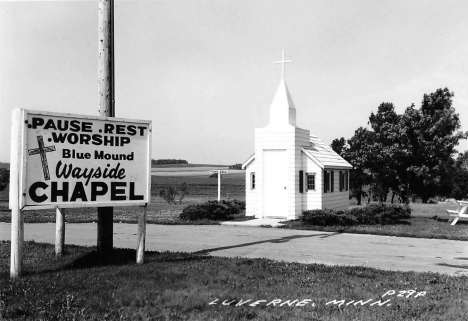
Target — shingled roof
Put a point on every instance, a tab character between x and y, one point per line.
324	155
319	152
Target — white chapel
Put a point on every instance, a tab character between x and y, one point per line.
291	170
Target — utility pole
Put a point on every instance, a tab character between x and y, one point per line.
105	226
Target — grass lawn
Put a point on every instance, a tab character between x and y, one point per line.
415	227
428	220
181	286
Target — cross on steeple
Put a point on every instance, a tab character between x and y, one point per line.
282	62
42	150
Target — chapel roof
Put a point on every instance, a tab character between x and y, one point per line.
324	154
320	153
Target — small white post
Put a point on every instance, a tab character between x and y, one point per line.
140	252
59	231
17	240
17	221
219	186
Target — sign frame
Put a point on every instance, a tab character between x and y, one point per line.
19	153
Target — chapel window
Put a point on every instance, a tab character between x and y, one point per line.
342	179
346	181
326	181
310	181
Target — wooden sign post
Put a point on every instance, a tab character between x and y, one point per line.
17	222
219	172
59	231
105	228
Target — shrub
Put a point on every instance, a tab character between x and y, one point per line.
320	217
4	178
369	215
170	193
213	210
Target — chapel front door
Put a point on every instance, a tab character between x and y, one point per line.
275	183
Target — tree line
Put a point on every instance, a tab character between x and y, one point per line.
168	161
409	155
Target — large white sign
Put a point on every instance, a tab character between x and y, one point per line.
66	160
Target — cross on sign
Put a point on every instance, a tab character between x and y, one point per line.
282	62
42	150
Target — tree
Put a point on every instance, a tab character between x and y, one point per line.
171	193
429	136
168	161
357	155
339	145
385	160
4	178
412	152
183	190
459	177
354	151
409	154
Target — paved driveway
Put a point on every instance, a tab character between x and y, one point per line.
383	252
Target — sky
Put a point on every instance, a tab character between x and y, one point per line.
204	73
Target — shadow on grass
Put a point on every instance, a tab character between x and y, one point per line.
40	258
128	257
449	220
274	241
92	259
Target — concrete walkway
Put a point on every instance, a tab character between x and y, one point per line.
383	252
265	222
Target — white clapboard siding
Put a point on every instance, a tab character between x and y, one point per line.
290	139
313	199
336	200
250	194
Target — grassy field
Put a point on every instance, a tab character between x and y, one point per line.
232	186
181	286
428	220
185	165
201	189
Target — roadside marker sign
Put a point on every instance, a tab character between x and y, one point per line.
219	172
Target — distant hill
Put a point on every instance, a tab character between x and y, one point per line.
7	165
168	161
186	165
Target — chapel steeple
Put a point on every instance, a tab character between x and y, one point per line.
282	109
